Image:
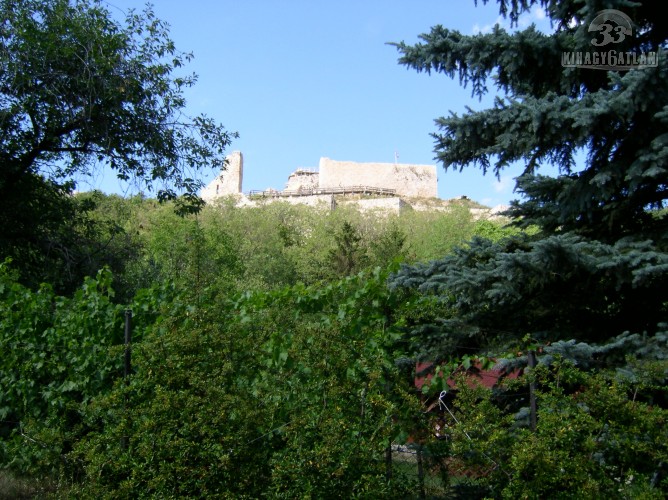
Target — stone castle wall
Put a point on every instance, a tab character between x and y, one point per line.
229	181
315	200
415	181
409	181
383	205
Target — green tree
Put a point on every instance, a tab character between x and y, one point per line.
80	91
349	254
597	266
390	245
589	282
432	234
549	113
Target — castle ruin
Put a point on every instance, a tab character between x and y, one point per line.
229	181
392	181
386	187
408	181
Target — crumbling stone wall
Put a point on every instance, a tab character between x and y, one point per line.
315	200
417	181
229	181
382	205
302	179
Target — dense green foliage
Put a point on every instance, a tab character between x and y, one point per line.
597	267
283	392
45	374
589	286
555	288
278	349
599	436
280	244
290	389
253	351
80	92
59	354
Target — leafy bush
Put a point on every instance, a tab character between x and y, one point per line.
56	356
283	391
595	437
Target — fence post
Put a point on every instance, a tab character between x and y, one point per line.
128	342
420	469
127	368
388	461
532	392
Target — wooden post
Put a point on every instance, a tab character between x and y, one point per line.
420	468
532	393
388	462
128	342
128	368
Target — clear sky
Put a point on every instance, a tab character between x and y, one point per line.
301	79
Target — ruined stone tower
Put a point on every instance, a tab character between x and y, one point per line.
229	181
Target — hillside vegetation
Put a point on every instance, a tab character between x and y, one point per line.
268	345
265	342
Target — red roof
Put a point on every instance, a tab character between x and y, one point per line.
486	378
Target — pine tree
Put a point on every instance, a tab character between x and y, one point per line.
598	267
349	256
549	113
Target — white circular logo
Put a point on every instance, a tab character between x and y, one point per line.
613	27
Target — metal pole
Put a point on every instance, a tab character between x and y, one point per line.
388	462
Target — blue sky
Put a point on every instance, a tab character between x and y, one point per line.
303	79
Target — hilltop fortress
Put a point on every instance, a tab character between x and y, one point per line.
384	186
372	185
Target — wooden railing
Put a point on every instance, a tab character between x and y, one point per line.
270	193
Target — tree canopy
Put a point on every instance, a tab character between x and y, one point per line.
587	287
80	91
597	268
547	114
79	88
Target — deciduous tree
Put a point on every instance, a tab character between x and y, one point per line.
80	91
